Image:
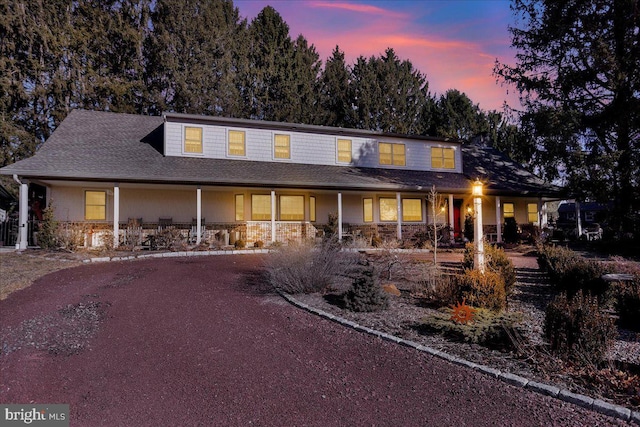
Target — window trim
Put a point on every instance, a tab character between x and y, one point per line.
275	157
395	201
301	218
338	151
252	205
364	209
392	146
104	192
244	143
421	210
312	208
242	214
504	212
184	141
442	158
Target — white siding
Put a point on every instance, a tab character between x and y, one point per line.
306	147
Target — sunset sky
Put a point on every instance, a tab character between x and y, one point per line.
454	43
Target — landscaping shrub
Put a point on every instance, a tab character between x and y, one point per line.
496	260
258	244
239	244
484	290
570	272
490	329
628	303
365	294
306	268
48	231
577	330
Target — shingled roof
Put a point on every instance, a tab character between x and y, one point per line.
104	146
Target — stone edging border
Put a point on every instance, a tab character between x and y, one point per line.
587	402
175	255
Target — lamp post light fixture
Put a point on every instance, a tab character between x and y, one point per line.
479	236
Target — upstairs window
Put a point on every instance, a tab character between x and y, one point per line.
281	146
344	151
392	154
95	205
291	208
508	210
443	158
236	145
192	140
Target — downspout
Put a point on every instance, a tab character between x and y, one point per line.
23	213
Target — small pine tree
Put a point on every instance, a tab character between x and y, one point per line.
365	293
48	232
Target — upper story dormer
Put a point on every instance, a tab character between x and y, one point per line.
223	138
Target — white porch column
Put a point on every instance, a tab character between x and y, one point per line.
273	216
498	220
339	216
23	216
478	235
116	215
198	215
542	213
452	226
399	207
578	218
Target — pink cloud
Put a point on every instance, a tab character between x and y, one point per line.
360	8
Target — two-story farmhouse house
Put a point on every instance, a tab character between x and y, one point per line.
267	181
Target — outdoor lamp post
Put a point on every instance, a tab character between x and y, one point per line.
478	260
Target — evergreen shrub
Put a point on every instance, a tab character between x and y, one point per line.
484	290
366	294
496	260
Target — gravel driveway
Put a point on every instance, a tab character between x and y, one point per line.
199	341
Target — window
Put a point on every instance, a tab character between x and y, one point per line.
281	146
291	208
236	146
367	210
443	158
239	207
532	212
312	209
411	210
508	210
95	205
392	154
192	140
388	209
260	207
344	150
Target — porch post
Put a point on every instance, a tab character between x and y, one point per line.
452	226
116	214
542	213
498	220
340	216
198	215
23	216
273	216
399	207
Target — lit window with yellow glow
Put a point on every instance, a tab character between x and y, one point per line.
532	212
291	208
443	158
508	210
388	209
239	207
392	154
281	146
411	210
95	205
312	209
236	144
260	207
367	210
192	140
344	150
